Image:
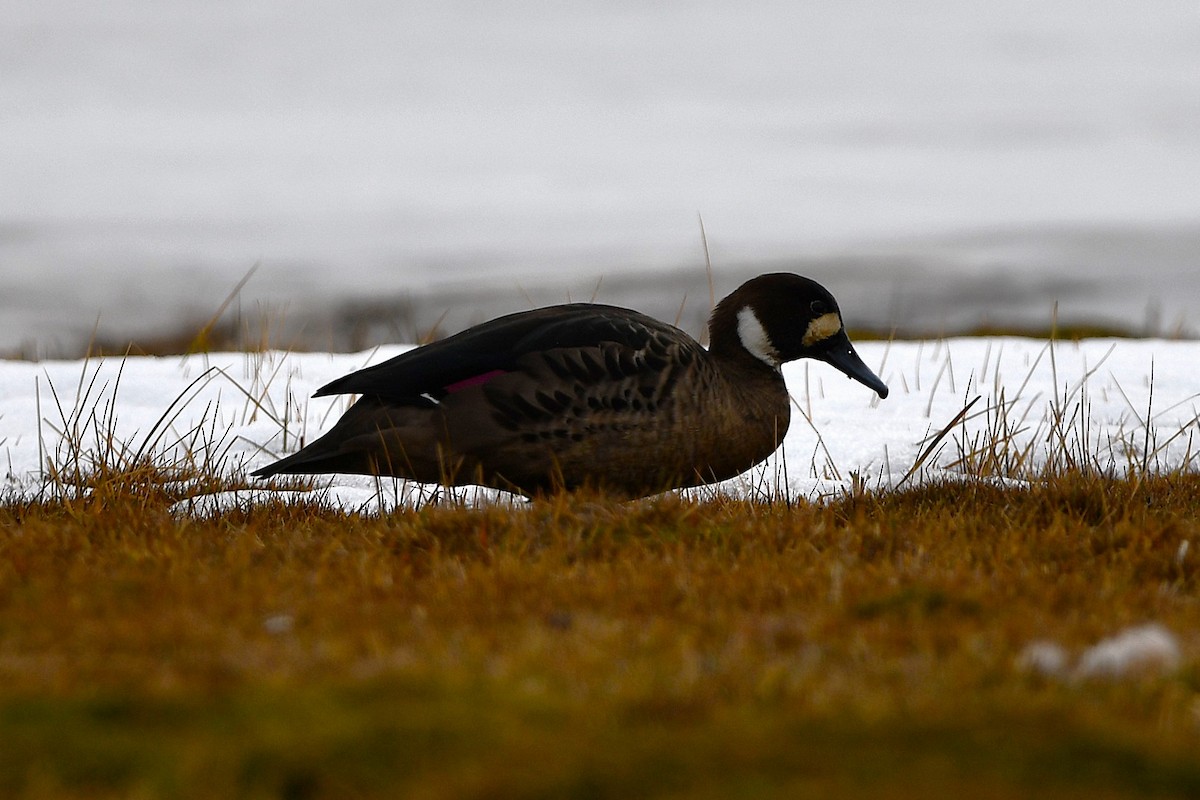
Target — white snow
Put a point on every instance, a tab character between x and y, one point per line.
1118	403
1044	657
1137	650
1143	648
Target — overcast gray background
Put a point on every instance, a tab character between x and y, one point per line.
938	164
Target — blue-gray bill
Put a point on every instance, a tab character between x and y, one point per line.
841	354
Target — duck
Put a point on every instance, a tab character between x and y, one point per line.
585	395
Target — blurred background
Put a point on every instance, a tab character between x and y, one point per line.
390	167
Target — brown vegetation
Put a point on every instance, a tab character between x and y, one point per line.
869	646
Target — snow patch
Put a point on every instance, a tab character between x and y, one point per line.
226	414
1146	648
1139	650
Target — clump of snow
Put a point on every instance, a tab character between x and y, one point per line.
1046	658
1138	650
278	624
1145	648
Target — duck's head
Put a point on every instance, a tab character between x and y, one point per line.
781	317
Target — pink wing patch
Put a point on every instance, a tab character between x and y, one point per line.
477	380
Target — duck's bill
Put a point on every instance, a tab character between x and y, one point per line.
842	355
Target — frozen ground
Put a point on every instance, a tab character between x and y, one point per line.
937	163
230	413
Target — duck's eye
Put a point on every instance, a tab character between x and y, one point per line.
818	307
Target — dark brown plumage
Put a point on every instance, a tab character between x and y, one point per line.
588	395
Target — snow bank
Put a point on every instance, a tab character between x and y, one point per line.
1111	403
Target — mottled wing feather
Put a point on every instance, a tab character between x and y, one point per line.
566	410
498	345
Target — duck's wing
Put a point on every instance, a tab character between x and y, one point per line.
496	347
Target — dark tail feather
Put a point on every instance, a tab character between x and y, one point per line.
360	443
305	462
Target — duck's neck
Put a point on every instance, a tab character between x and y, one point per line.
736	333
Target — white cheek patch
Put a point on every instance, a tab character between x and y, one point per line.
822	328
755	339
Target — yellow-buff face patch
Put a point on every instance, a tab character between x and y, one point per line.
822	328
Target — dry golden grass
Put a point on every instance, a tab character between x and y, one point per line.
582	648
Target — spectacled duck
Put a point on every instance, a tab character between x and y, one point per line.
588	395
